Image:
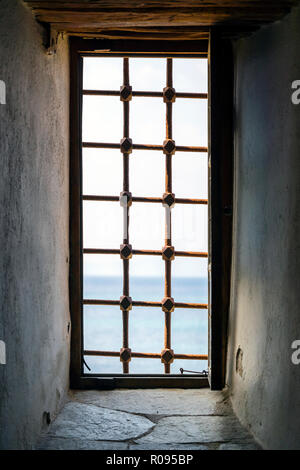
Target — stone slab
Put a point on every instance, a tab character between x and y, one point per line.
166	402
240	446
196	429
159	446
88	422
53	443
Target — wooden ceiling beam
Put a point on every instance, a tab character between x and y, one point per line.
137	33
180	17
152	19
117	4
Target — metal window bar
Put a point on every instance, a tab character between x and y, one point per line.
179	148
168	253
144	94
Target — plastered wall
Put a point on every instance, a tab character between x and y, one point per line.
34	308
265	294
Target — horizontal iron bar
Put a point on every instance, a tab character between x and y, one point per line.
151	94
192	254
197	357
180	200
106	145
113	251
87	197
100	198
142	303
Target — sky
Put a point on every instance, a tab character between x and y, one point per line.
102	168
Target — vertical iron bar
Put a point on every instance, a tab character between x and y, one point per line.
125	118
126	224
167	333
169	169
169	129
126	71
168	227
168	189
125	338
126	171
126	277
125	313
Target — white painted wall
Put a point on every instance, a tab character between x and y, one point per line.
265	300
34	218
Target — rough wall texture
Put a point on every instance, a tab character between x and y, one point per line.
265	301
34	311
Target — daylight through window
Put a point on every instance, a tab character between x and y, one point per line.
144	215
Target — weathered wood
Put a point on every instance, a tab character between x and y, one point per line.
221	82
160	17
166	33
113	5
110	382
75	278
87	4
135	18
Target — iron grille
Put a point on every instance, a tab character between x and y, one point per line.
168	199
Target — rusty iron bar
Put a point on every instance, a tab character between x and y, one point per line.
126	172
168	222
125	318
192	254
168	227
145	94
125	313
115	251
159	200
188	148
100	198
126	119
126	277
169	171
142	303
190	305
168	284
100	302
100	145
181	200
195	357
107	145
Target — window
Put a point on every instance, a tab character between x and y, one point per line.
133	133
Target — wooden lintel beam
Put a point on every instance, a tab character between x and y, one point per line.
88	5
152	19
161	17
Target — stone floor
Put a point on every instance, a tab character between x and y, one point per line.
158	419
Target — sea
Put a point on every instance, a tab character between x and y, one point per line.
102	325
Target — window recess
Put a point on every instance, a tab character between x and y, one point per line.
169	306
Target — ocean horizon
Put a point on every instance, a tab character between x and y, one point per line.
102	325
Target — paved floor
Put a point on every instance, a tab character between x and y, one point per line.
159	419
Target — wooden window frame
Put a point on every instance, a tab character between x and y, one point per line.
220	196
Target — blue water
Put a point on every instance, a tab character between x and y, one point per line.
103	324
